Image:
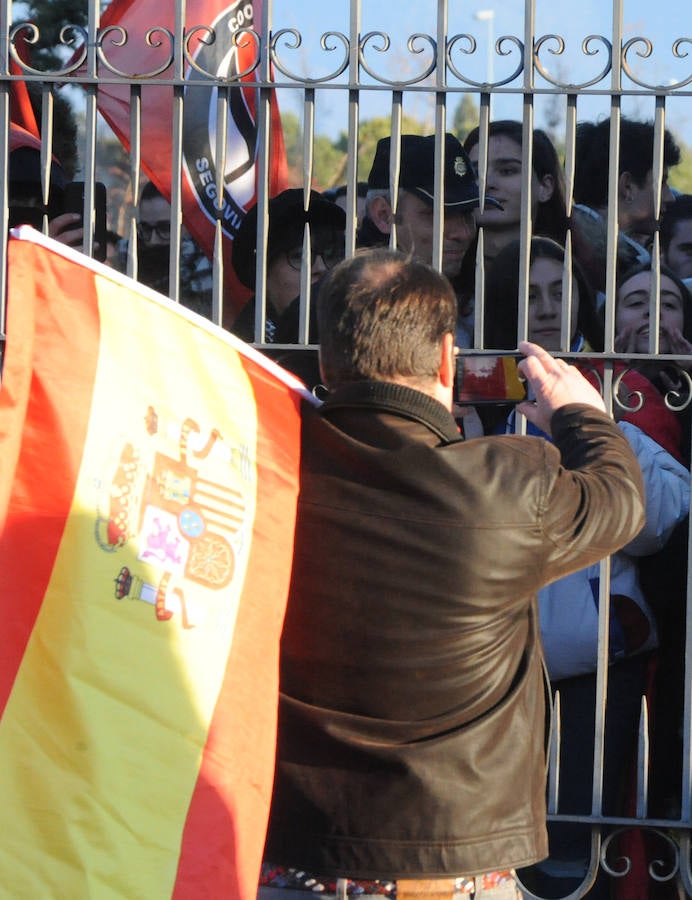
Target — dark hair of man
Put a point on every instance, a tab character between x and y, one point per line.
382	316
341	191
551	216
682	287
150	192
677	211
502	296
592	150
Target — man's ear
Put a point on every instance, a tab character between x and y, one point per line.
448	362
380	211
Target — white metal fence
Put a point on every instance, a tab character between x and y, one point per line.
339	77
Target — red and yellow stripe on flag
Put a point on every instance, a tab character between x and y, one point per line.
148	481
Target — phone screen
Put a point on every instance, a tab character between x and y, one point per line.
489	379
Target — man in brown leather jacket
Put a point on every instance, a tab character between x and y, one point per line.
412	718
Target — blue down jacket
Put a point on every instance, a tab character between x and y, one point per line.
568	608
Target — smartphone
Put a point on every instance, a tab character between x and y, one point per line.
74	203
489	379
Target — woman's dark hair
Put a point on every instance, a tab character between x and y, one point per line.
502	296
680	284
551	216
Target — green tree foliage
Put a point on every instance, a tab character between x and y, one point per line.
329	164
327	159
466	117
680	176
330	158
293	141
50	17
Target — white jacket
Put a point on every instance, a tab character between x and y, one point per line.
568	608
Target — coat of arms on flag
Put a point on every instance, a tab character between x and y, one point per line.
185	508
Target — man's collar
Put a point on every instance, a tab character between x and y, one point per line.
399	399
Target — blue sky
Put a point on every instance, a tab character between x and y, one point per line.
662	22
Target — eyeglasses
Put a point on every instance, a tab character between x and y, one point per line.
161	229
330	255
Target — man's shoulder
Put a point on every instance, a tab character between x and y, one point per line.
506	456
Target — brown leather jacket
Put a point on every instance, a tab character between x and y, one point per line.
412	715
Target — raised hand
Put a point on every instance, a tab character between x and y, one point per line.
554	384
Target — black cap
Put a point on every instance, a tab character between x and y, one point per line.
417	170
287	218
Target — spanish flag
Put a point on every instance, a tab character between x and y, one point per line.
148	482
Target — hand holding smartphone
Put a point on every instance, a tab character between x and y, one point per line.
74	203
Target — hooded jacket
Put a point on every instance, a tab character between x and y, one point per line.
412	716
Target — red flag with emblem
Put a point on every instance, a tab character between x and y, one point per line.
213	56
146	530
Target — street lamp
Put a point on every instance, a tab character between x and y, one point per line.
488	15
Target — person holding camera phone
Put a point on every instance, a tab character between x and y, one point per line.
568	607
64	209
411	739
73	218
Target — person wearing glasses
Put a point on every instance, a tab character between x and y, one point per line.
285	260
154	249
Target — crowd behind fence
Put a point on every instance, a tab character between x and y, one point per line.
443	67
